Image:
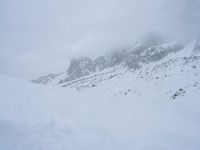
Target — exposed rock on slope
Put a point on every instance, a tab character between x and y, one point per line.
150	49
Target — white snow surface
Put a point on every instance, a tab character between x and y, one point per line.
153	108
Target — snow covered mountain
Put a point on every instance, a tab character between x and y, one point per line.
149	49
152	103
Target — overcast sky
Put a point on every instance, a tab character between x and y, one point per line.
40	36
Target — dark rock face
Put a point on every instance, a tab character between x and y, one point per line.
180	92
132	62
45	79
117	57
80	67
101	63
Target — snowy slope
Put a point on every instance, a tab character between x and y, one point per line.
153	108
144	51
96	78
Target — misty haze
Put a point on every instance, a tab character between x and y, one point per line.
99	75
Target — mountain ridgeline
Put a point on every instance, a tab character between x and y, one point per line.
150	49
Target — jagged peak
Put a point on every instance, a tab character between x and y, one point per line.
150	49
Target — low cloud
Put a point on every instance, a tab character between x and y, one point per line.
41	36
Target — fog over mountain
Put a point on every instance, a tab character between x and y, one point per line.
99	75
41	36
